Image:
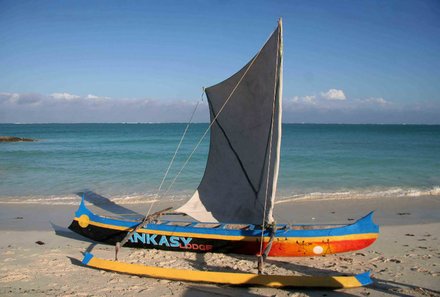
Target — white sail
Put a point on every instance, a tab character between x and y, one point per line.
241	174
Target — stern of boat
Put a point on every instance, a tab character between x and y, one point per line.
95	227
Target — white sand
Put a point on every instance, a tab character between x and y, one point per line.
405	260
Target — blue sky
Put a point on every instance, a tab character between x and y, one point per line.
146	61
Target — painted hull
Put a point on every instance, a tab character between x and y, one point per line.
294	241
228	278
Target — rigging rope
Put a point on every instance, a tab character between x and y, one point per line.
175	153
148	218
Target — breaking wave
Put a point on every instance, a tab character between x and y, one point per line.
375	193
75	200
394	192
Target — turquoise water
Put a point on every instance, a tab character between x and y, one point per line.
128	161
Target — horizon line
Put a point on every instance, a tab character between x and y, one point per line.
167	123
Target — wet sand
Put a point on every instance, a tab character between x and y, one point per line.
40	257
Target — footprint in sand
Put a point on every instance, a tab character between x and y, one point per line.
8	259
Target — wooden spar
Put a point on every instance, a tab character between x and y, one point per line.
228	278
261	258
144	222
276	93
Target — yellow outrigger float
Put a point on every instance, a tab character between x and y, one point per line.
230	278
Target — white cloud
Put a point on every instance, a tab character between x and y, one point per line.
21	99
379	101
68	108
304	99
334	94
320	109
94	97
65	96
65	107
338	103
90	96
10	97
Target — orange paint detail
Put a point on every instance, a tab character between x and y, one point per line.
306	249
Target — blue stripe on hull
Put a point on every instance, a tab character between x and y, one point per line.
362	226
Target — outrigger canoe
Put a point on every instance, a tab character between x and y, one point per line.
289	241
233	205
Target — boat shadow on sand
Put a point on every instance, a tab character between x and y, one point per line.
379	286
401	289
108	205
385	288
67	233
97	201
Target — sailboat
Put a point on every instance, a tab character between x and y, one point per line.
233	206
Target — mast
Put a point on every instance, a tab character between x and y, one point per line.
279	102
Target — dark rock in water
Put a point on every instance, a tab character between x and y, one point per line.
19	218
39	242
15	139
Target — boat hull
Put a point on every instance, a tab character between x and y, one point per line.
308	240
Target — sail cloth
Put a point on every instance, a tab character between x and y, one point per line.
243	158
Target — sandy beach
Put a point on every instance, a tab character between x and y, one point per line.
41	257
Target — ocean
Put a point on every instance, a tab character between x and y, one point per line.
126	162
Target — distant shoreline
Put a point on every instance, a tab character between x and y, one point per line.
15	139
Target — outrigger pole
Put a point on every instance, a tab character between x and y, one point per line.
146	220
262	257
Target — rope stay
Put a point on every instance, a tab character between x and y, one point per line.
175	154
148	218
178	147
